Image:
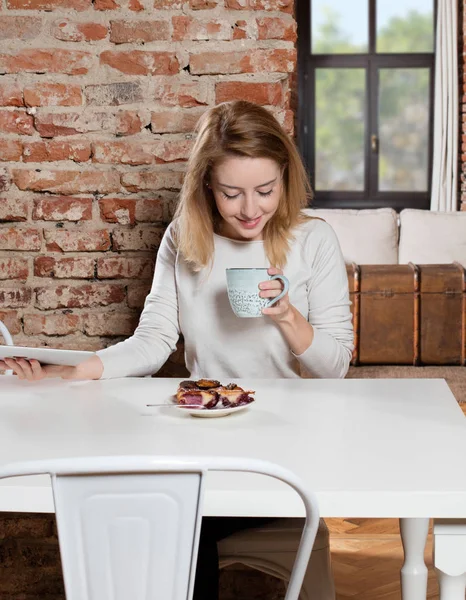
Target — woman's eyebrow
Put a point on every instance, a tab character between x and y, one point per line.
235	187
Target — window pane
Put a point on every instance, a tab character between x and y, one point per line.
405	26
339	26
340	118
403	129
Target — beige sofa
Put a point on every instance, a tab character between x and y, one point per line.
383	237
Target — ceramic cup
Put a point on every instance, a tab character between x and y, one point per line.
243	291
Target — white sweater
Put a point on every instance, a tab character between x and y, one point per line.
220	345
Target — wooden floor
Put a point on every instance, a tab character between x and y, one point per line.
367	556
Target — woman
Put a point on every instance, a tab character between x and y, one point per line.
240	206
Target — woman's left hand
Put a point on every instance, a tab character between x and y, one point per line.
271	289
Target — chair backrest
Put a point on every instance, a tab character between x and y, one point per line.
8	339
129	526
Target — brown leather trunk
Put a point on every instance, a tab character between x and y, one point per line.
408	314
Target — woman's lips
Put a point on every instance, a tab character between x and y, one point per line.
250	224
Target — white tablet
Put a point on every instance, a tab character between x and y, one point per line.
47	356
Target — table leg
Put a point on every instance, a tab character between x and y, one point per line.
450	557
414	571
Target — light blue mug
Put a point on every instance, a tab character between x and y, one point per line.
243	291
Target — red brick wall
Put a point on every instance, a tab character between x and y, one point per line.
98	99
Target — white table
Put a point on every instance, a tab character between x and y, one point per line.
368	448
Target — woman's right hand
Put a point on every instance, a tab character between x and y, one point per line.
32	370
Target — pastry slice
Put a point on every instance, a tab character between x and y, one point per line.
211	394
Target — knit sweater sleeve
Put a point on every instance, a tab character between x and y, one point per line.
158	331
329	313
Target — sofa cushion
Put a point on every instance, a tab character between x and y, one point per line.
429	237
367	236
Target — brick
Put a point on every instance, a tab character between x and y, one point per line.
182	94
128	123
240	30
130	153
117	210
16	121
271	5
10	150
51	151
110	323
77	342
51	124
137	294
105	5
202	4
67	182
16	297
19	238
149	210
173	150
62	208
168	4
139	62
77	240
113	94
137	239
262	93
60	124
152	180
205	63
52	94
140	153
75	31
11	94
13	209
48	4
276	28
81	296
12	320
118	267
19	28
189	28
135	5
51	324
286	120
138	32
124	122
13	268
174	121
37	60
278	60
64	268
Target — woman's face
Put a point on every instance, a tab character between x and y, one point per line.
247	192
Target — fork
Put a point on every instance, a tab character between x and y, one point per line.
178	405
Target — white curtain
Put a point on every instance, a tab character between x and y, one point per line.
445	159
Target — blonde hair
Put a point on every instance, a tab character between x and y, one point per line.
238	128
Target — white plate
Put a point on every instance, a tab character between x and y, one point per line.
210	413
47	356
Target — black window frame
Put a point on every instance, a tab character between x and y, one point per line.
370	197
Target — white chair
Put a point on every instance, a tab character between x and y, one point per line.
272	548
128	526
8	339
